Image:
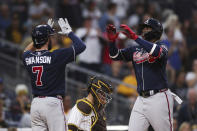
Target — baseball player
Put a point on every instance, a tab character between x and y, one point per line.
47	72
154	104
88	113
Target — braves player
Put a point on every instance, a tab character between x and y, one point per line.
88	113
154	104
47	72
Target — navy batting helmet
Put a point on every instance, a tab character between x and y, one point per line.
40	35
157	29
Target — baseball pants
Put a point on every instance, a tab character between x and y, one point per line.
156	110
47	114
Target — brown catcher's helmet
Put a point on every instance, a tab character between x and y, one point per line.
98	85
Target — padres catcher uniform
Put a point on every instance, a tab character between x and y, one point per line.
154	105
47	71
88	116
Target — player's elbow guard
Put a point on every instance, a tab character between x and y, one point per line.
160	51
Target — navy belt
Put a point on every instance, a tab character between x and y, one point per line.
56	96
151	92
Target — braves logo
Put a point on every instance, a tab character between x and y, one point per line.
143	56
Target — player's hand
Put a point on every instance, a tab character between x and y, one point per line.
50	22
65	27
128	32
111	33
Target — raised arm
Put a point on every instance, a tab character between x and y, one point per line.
114	52
153	49
78	45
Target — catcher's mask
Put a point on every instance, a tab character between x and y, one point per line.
155	33
40	35
100	90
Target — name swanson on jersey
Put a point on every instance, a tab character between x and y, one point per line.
38	60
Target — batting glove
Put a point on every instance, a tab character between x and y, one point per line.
128	32
111	33
50	22
65	27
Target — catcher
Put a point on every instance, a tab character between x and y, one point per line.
88	113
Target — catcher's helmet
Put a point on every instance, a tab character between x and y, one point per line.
40	35
99	85
157	29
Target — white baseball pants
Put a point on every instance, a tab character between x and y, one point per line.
47	114
156	110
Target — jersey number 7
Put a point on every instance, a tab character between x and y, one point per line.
39	71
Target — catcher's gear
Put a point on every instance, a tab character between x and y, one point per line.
111	33
84	117
128	32
98	87
157	29
40	35
65	27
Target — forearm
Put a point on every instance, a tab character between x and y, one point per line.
77	43
151	48
30	47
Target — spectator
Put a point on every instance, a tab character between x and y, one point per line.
3	124
122	7
173	22
116	68
38	11
5	20
93	40
177	44
25	121
129	91
93	12
13	116
174	49
192	36
188	111
180	87
154	9
136	17
6	94
186	12
21	8
191	77
175	124
14	32
70	10
109	15
185	126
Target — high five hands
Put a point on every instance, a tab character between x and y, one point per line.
64	25
112	34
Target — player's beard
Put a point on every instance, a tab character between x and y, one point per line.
50	44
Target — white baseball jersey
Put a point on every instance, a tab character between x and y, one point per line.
84	117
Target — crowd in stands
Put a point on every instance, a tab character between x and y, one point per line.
88	18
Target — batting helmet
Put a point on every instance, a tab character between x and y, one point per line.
98	85
157	29
40	35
